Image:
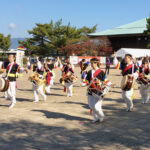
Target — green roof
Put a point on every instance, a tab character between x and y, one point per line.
137	27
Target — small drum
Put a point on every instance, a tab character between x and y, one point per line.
4	84
68	78
127	82
97	91
143	79
96	88
36	79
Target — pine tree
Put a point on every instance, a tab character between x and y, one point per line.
4	42
46	38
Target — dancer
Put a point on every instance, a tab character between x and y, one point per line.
67	78
11	76
128	70
37	79
98	86
50	75
143	80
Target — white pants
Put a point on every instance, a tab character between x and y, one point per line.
11	92
128	97
96	105
69	87
144	91
38	90
48	87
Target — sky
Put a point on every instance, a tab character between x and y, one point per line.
19	16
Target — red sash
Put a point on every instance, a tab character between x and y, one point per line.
94	75
10	65
96	72
146	69
128	67
63	67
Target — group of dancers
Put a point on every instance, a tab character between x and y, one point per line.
92	76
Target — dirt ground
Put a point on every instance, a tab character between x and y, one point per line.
63	123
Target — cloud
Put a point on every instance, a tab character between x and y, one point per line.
12	26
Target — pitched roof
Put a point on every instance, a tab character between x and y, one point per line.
137	27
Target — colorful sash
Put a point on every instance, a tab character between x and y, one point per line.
127	68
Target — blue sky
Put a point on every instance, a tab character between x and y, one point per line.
18	16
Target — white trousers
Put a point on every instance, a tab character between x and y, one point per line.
38	90
96	105
69	87
128	97
48	87
11	92
144	91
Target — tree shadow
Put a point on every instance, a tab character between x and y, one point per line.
56	89
115	91
76	86
57	83
24	99
83	105
4	105
52	94
57	115
25	89
122	130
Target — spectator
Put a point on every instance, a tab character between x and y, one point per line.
107	66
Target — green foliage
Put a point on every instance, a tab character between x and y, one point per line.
4	42
148	32
46	38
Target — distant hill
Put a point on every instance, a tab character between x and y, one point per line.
14	42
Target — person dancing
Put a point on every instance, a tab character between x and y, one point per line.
50	75
67	73
144	71
94	80
11	75
37	79
128	68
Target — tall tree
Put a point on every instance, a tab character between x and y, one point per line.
4	42
46	38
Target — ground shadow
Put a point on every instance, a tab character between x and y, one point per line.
56	89
4	105
82	104
25	89
122	130
57	115
24	99
52	94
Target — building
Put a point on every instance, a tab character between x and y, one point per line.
127	36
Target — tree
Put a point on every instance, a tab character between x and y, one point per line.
29	45
4	42
147	32
46	38
86	47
